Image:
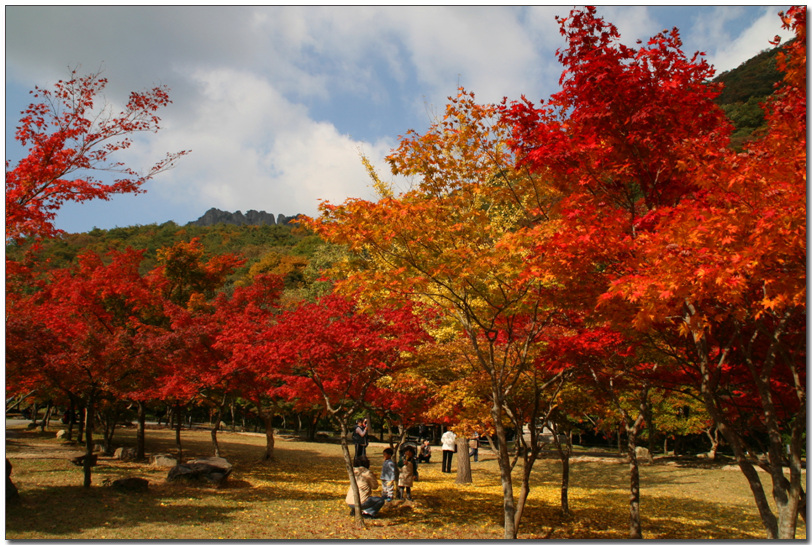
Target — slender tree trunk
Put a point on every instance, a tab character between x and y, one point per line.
140	434
178	424
312	427
234	415
650	428
635	532
88	462
463	462
71	416
110	419
565	485
714	441
356	494
82	419
214	429
47	416
564	452
524	491
505	468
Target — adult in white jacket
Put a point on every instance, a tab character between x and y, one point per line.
449	441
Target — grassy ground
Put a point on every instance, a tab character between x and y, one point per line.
301	495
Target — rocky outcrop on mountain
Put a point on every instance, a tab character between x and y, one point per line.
252	217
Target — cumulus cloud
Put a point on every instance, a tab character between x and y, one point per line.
254	148
276	101
731	53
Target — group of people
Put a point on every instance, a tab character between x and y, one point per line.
406	475
407	472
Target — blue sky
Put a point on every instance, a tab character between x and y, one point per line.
277	102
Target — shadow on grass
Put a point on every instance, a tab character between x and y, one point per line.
310	480
67	510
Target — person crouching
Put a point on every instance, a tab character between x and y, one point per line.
370	505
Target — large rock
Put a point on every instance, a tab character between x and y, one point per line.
643	455
212	470
163	460
214	216
131	484
125	454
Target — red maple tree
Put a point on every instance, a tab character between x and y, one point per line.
68	136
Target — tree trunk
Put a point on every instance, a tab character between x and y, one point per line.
47	416
88	462
234	415
269	438
82	419
356	494
140	434
110	419
564	453
312	427
505	467
71	417
214	429
178	423
650	428
463	461
635	531
714	440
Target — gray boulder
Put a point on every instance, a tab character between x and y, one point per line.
643	455
163	460
125	454
209	470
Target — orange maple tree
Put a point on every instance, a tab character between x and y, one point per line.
456	241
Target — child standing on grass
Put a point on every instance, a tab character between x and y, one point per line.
388	475
407	472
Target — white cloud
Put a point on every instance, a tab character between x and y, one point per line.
274	102
254	149
731	53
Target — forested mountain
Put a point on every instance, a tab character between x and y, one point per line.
282	249
745	88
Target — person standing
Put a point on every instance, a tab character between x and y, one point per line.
359	437
449	441
407	474
473	445
388	475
